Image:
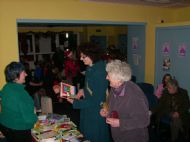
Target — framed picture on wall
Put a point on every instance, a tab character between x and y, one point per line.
166	63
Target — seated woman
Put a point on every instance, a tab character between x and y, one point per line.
174	104
127	112
17	117
162	86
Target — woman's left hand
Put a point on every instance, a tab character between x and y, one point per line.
114	122
80	94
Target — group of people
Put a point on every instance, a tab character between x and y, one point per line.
127	113
125	98
173	107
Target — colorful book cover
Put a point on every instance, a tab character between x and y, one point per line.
67	90
69	135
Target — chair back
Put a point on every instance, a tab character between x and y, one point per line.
148	90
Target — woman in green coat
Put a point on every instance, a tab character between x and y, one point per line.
92	125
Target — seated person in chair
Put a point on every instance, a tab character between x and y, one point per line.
158	92
174	104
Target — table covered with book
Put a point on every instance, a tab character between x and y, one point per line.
56	128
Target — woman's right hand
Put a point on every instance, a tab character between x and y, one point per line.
80	94
104	112
56	89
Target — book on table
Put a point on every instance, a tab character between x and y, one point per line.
54	128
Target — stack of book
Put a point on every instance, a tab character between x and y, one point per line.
55	128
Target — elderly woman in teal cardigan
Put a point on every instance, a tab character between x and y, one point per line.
92	125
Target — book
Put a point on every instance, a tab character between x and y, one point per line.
47	136
71	134
67	90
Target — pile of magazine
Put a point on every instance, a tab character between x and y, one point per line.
55	128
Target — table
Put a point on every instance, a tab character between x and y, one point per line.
56	128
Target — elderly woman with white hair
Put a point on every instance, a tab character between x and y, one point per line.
128	113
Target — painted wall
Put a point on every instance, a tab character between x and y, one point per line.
136	51
111	32
175	40
11	10
182	14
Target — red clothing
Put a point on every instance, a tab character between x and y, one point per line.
72	68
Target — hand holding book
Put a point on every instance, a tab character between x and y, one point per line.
56	89
70	100
80	94
67	90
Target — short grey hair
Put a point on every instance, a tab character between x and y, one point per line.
173	83
119	70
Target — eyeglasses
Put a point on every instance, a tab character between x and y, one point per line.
83	57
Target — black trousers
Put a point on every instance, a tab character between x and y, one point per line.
16	135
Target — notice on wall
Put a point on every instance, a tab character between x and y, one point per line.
182	50
166	48
135	41
136	59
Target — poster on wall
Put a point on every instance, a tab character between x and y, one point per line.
135	43
136	59
182	50
166	48
166	63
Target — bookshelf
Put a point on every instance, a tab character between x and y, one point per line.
32	48
34	45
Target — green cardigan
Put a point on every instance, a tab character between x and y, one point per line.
17	107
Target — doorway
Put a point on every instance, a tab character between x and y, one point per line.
122	34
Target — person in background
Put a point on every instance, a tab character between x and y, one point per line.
113	53
162	86
58	58
128	112
17	117
33	85
174	105
92	125
38	71
72	68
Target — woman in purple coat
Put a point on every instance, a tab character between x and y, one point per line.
128	113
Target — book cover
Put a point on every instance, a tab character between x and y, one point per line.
69	135
67	90
47	136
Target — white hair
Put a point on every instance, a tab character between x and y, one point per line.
119	70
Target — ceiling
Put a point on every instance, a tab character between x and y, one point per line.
157	3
